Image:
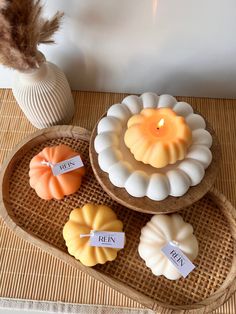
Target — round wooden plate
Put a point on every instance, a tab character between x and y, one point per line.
41	222
170	204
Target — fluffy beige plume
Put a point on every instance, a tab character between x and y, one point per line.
48	28
22	29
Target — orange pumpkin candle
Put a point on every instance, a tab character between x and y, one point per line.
158	137
42	179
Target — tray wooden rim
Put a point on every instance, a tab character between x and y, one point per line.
170	204
210	303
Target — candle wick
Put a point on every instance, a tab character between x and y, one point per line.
91	234
174	243
47	163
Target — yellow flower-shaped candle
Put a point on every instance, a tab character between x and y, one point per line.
81	222
158	137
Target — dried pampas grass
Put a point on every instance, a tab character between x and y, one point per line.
22	29
3	4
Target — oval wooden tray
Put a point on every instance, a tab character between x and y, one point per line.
40	222
170	204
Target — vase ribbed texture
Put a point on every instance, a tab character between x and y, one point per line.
44	95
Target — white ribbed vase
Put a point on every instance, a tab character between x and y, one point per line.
44	95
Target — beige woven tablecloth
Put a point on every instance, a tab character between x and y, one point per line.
28	273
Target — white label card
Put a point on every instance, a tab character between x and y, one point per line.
178	259
110	239
67	165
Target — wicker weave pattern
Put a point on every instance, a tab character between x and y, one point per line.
28	272
46	219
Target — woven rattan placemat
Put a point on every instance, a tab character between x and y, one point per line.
27	272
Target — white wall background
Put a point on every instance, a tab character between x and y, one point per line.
181	47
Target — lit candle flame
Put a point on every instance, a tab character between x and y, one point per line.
160	123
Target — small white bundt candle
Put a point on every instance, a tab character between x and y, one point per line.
160	230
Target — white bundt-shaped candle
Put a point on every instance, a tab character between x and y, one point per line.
158	232
140	179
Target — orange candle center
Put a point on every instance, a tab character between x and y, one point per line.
158	136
